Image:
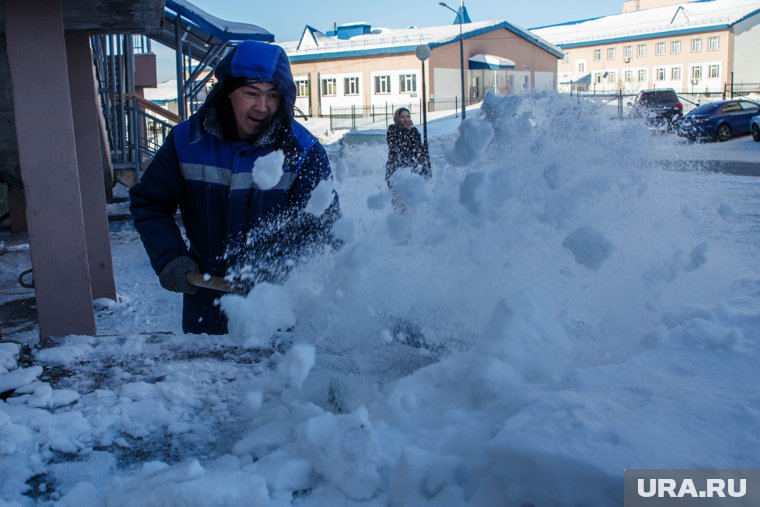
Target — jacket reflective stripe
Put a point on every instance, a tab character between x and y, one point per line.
223	176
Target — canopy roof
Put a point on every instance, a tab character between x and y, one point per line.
483	61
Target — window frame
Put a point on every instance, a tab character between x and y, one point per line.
351	82
381	82
404	82
696	45
329	82
302	88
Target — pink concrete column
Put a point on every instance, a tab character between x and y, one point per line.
85	106
48	160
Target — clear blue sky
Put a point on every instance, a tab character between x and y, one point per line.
286	18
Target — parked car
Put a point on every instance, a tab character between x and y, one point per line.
660	108
754	125
719	120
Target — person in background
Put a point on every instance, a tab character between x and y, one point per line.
405	147
205	168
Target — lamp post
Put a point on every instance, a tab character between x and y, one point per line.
423	53
459	14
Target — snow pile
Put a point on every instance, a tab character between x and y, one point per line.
259	315
545	314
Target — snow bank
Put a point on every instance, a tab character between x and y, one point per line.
551	309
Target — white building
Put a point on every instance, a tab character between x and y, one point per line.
692	47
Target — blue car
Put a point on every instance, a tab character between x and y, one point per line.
719	120
755	126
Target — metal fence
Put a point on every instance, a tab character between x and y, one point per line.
380	116
621	102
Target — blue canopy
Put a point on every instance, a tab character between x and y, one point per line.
482	61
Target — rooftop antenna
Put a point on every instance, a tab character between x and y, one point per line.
680	9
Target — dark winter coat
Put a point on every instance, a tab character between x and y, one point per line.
405	149
202	170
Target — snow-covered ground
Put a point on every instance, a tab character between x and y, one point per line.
553	308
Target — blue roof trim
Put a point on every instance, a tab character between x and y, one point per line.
410	49
253	32
350	54
654	35
509	27
753	13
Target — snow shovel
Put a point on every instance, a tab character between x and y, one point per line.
216	283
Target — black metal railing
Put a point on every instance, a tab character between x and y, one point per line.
380	116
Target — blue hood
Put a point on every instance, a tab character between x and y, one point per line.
267	63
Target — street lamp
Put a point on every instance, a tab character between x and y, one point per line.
460	15
423	53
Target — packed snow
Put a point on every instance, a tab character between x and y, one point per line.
552	308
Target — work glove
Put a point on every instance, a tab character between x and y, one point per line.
173	275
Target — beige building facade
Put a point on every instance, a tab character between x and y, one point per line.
379	68
693	47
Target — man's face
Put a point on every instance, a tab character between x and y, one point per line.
254	106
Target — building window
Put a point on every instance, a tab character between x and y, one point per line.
351	86
329	87
675	47
713	71
696	45
659	74
302	88
565	58
581	67
408	83
659	49
598	77
675	73
641	50
713	43
627	51
628	76
382	85
642	76
597	55
612	77
696	72
611	53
